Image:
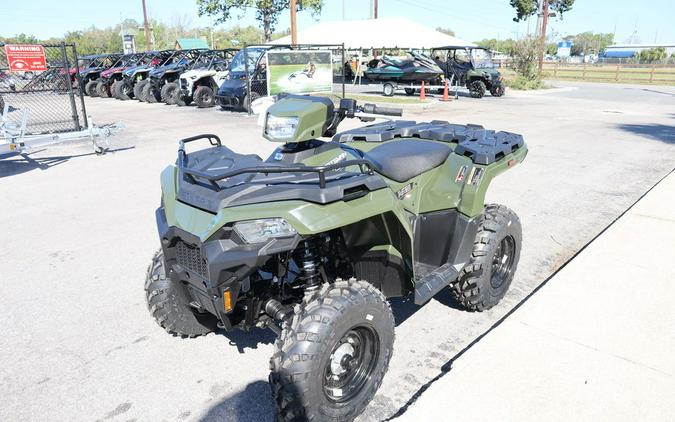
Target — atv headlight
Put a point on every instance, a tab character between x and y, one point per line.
258	231
281	127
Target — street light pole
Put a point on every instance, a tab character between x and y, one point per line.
146	28
294	28
544	22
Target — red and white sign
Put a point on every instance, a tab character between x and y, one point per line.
25	57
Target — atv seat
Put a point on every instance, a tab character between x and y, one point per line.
405	159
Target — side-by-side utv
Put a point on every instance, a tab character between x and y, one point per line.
312	241
471	67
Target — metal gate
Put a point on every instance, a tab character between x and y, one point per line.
51	99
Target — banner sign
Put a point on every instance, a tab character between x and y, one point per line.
564	48
299	72
25	57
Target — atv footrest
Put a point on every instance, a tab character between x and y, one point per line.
434	282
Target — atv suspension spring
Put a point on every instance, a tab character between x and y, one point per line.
308	259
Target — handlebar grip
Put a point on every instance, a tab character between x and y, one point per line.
386	111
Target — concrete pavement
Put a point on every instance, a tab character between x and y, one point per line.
595	343
78	232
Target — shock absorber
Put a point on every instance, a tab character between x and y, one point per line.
308	258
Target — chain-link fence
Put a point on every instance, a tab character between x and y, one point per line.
51	100
298	68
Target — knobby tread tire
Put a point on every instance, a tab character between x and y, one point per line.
472	288
167	306
307	339
138	89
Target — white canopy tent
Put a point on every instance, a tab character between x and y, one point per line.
386	33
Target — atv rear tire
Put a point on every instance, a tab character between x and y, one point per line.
203	96
148	94
124	90
170	93
169	305
494	259
90	88
138	89
477	89
331	357
102	90
497	91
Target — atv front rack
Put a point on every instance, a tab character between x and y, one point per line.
214	140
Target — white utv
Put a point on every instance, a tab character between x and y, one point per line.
200	83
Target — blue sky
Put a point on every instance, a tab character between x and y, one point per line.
471	20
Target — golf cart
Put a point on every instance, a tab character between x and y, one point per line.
232	92
204	78
313	240
471	67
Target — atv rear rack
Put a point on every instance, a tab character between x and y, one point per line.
214	178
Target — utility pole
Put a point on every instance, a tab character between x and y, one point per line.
146	28
375	10
294	23
544	22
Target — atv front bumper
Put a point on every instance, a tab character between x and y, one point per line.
211	268
227	101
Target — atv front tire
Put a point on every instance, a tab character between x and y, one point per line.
494	259
203	97
124	90
497	91
169	305
331	357
477	89
90	88
114	88
102	90
170	93
138	89
148	94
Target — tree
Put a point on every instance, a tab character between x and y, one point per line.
590	43
652	55
507	46
526	51
267	11
446	31
527	8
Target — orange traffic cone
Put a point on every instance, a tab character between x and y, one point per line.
422	93
445	92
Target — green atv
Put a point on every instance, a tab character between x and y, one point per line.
312	241
471	67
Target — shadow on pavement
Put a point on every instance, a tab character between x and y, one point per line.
243	340
22	163
253	404
659	132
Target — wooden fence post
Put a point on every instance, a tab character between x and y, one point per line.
618	66
583	74
555	70
651	74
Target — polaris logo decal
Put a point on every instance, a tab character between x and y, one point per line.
337	159
404	191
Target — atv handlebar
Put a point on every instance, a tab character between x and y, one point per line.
385	111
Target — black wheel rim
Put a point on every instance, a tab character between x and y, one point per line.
351	364
502	262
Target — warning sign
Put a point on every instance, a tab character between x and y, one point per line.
25	57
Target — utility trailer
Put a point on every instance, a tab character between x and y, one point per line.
14	139
389	88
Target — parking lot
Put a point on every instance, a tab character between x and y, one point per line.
79	232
